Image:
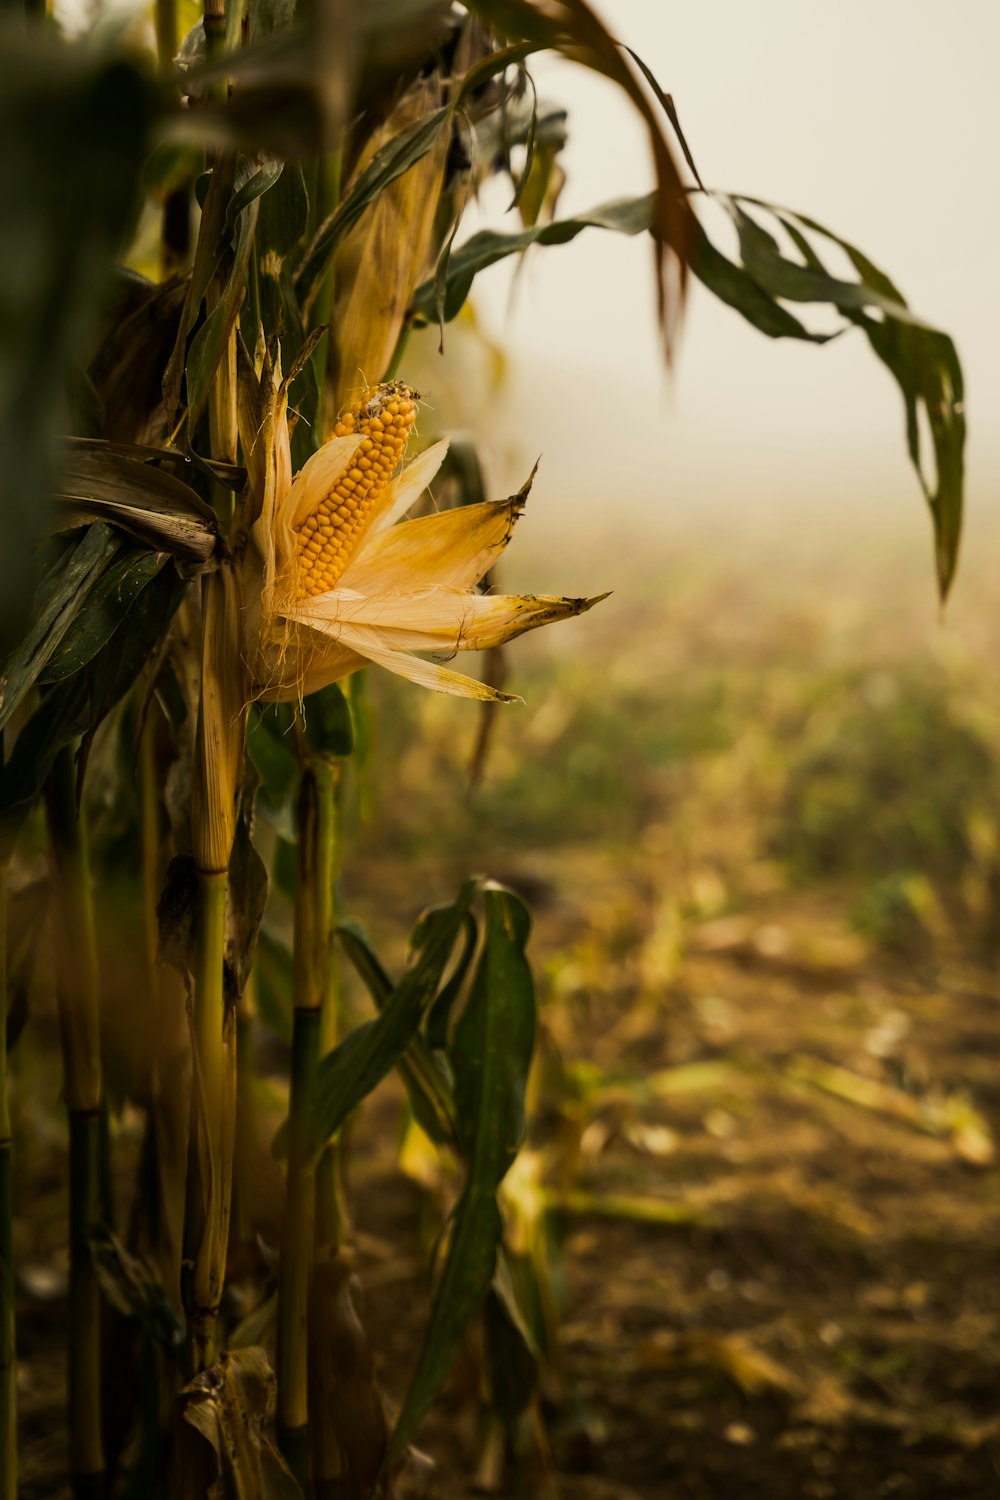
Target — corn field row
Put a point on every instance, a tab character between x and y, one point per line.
221	230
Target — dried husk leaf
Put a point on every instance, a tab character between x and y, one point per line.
350	1429
218	768
230	1406
387	255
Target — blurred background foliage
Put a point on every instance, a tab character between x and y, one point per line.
757	818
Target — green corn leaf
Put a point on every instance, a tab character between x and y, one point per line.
61	596
395	158
271	746
209	343
208	252
284	866
629	216
427	1078
490	1053
574	29
77	704
734	285
284	214
436	1029
922	360
757	285
350	1072
103	610
273	969
512	1362
329	730
357	945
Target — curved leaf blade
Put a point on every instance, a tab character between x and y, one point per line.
628	216
350	1072
922	360
491	1053
60	597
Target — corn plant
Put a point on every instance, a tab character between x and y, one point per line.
224	443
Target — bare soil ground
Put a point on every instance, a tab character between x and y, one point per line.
768	1095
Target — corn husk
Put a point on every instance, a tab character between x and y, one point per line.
382	260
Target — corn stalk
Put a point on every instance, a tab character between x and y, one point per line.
8	1351
79	1024
330	1211
217	777
295	1266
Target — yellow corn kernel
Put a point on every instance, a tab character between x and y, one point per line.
327	539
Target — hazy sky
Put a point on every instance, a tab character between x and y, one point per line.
880	118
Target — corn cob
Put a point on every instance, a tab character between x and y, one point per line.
327	539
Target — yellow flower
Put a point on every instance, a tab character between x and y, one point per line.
334	580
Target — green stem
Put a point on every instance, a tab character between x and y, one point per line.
84	1334
331	1216
8	1351
247	1136
79	1015
328	186
295	1265
79	1024
175	221
206	1212
329	1191
150	836
398	352
215	40
166	33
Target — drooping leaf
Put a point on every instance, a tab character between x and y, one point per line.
349	1073
922	360
490	1054
574	29
629	216
157	509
